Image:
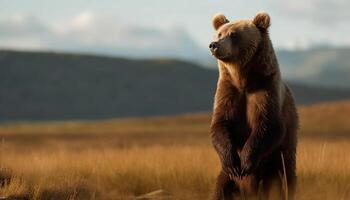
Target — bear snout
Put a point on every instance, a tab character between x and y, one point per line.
213	47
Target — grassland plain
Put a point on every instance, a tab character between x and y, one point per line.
126	158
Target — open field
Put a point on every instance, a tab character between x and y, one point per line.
123	159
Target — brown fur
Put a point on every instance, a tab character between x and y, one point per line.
254	118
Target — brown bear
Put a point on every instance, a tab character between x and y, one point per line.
254	123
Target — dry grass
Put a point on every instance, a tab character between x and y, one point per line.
122	159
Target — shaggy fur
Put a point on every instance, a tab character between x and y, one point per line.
254	119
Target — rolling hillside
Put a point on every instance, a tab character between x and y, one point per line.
313	124
51	86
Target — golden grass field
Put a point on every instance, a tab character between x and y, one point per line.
126	158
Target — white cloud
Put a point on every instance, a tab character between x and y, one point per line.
295	25
87	32
21	25
83	20
322	12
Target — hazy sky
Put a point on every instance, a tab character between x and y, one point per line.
108	24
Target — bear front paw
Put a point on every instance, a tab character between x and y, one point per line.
246	167
233	172
231	165
248	164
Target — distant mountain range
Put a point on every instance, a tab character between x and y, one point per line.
324	66
53	86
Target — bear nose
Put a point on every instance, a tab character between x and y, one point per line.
213	46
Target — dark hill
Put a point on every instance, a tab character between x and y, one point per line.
50	86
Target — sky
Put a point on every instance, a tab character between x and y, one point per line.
156	27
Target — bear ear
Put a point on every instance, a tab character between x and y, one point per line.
219	20
262	20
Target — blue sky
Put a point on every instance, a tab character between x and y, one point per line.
105	26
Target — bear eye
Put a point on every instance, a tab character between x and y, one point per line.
233	34
219	35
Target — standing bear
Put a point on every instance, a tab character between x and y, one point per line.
254	123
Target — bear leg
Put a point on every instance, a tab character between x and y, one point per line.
273	183
272	187
225	188
291	181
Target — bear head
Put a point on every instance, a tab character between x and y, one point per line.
239	40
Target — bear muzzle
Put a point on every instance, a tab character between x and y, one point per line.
214	46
